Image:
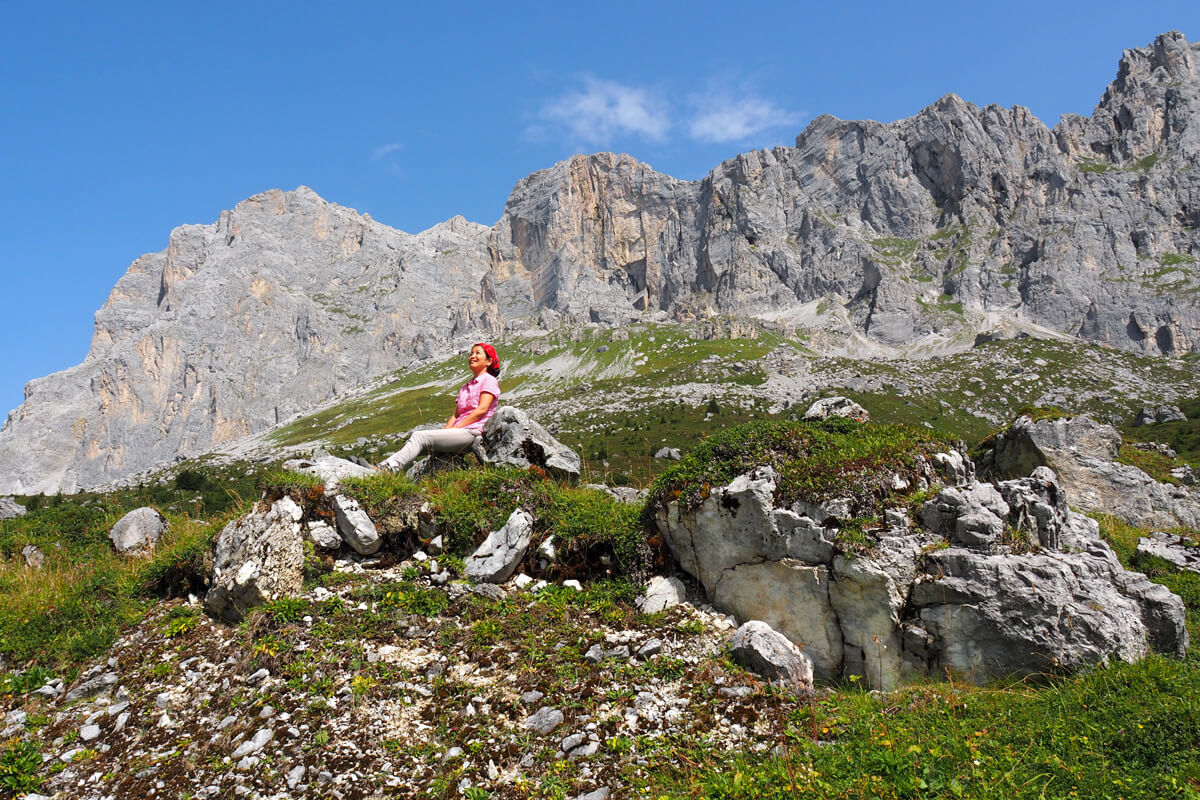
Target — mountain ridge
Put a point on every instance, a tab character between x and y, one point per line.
931	226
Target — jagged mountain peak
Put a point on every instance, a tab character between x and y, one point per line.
932	228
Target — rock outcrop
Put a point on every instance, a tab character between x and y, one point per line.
512	438
1082	453
953	221
1000	581
259	558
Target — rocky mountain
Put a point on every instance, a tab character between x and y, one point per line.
911	236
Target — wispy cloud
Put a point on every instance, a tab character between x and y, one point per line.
722	117
385	150
603	110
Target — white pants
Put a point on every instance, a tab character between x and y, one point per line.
446	440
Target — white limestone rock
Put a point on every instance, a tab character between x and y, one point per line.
137	532
259	558
770	654
355	527
498	557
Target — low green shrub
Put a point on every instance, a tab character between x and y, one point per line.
587	524
815	461
20	763
382	493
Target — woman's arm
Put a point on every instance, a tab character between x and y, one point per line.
475	414
450	422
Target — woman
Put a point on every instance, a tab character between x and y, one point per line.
475	405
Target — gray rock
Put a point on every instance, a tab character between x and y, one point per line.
89	732
323	535
543	721
1179	551
10	509
331	470
651	647
983	609
502	551
138	531
662	593
255	743
669	453
597	794
92	687
1082	452
531	697
837	407
355	526
33	557
761	649
258	558
511	437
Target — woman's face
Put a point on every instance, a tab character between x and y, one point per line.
478	360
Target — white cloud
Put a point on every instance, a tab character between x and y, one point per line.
385	150
606	109
721	117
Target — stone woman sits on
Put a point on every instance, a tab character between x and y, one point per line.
475	405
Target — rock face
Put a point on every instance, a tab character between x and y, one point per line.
138	531
1000	581
1081	452
259	558
513	438
946	224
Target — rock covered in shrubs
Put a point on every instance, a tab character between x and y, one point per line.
138	531
1001	581
330	470
502	551
511	437
259	558
10	509
765	651
837	407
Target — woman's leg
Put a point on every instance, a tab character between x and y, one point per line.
446	440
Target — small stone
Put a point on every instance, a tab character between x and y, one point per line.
89	732
294	776
651	647
254	678
543	721
594	654
573	584
256	743
573	741
531	697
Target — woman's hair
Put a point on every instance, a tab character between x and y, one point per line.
490	352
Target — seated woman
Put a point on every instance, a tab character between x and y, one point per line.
475	405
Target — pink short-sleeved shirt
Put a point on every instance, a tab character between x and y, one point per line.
468	399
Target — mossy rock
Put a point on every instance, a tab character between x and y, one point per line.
816	462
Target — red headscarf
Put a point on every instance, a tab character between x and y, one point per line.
491	353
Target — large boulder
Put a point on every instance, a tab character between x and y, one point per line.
502	551
514	438
10	509
259	558
1082	453
138	531
1002	580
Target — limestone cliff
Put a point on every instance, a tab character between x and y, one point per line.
942	224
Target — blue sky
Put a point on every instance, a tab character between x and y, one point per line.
120	121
